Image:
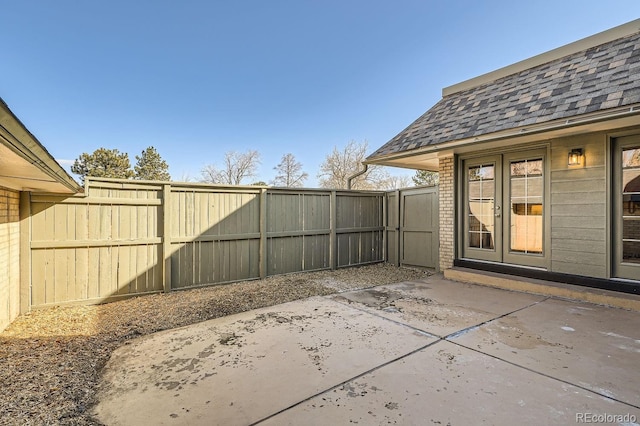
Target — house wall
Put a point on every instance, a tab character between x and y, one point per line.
579	207
447	208
9	256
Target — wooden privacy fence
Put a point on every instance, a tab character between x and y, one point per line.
412	227
126	238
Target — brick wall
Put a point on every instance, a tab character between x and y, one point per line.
446	213
9	256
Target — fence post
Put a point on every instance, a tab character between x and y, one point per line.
436	245
262	257
25	252
333	225
399	207
385	224
166	237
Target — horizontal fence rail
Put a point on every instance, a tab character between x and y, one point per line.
124	238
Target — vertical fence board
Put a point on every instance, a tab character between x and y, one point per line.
156	277
105	222
112	264
104	271
60	223
93	281
138	270
75	282
128	270
38	277
49	279
60	276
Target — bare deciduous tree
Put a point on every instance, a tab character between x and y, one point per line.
290	174
237	166
186	177
340	165
398	182
631	157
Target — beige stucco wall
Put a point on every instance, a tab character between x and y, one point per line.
9	256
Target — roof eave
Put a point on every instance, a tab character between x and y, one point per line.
25	147
518	132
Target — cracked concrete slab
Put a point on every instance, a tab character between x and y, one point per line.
436	305
449	384
242	368
373	356
588	345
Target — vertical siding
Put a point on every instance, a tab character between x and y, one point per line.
9	256
578	207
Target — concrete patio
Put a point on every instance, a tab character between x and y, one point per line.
428	352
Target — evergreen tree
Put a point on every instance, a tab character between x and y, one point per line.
109	163
151	166
426	177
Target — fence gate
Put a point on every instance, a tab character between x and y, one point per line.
412	227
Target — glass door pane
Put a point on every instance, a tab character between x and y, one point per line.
526	201
481	204
626	208
525	218
630	205
482	226
504	208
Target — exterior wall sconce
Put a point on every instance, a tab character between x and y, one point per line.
575	157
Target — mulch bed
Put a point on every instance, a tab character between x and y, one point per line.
50	359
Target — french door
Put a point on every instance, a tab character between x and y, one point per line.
626	208
504	211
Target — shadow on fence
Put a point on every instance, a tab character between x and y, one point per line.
127	238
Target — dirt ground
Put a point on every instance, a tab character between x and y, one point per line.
51	359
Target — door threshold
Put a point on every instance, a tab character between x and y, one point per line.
618	285
510	265
544	287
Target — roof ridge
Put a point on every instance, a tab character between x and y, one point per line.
607	36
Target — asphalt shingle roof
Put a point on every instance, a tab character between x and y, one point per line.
597	79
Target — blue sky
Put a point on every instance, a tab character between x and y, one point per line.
198	78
